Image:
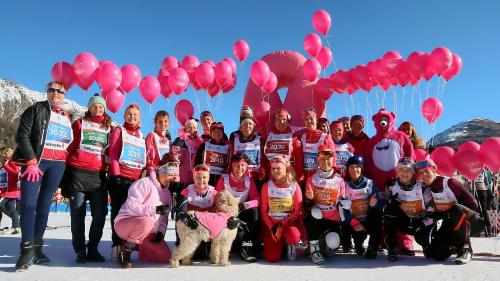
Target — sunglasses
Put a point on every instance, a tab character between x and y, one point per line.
58	91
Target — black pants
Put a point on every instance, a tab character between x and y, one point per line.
98	201
395	219
9	207
482	198
250	232
118	192
373	226
317	227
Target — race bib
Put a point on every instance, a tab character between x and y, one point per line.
281	205
412	208
93	139
133	151
310	160
3	179
359	208
59	133
325	196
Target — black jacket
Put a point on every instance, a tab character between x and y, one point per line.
30	136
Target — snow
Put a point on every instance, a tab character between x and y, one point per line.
341	267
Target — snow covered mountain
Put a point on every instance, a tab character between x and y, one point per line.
474	130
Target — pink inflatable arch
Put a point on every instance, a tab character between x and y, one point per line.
287	65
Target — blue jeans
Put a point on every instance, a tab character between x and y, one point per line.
98	201
36	198
8	207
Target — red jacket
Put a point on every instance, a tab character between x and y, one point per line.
313	136
81	159
239	186
115	149
359	143
12	190
297	214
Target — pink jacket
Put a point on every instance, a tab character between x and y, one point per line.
143	197
184	149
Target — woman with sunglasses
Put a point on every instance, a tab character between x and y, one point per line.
214	153
85	178
127	153
158	141
42	138
185	147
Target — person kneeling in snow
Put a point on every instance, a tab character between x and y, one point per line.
142	220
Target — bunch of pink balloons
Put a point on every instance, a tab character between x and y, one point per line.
470	158
313	45
263	77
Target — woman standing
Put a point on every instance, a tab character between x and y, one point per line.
158	141
214	153
42	138
85	178
408	128
185	147
127	153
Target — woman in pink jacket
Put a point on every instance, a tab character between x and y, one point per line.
184	149
144	215
158	141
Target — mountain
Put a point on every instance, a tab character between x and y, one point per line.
14	99
476	130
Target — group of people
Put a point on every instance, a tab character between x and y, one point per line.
320	187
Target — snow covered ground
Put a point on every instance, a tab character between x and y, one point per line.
341	267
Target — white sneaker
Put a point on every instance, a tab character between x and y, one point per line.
115	252
291	252
10	231
464	256
315	253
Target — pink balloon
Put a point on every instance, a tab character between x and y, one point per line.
469	145
170	63
63	72
101	63
324	89
311	69
468	163
183	111
385	85
432	108
214	89
109	76
340	80
361	77
391	58
149	88
490	153
230	86
190	63
324	57
402	74
262	112
204	75
164	87
352	88
211	63
114	99
271	83
443	157
428	71
420	154
241	50
416	64
312	44
178	80
85	67
440	60
259	72
322	21
454	69
379	71
131	76
223	73
232	63
414	81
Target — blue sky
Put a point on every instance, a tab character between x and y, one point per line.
36	34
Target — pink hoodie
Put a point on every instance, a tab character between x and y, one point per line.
143	197
184	149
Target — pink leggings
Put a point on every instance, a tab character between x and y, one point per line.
272	249
134	229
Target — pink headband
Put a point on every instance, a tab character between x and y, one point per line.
278	160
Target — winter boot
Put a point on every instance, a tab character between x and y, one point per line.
93	254
81	257
464	255
247	251
407	252
125	254
315	253
371	253
360	249
41	258
27	256
392	255
291	252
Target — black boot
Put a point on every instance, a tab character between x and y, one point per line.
125	254
392	254
247	251
27	256
40	257
359	248
371	253
93	255
81	257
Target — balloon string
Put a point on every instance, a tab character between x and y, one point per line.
376	95
395	103
329	47
403	98
352	104
368	106
383	98
197	101
427	89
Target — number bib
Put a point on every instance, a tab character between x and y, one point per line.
133	151
278	145
162	145
204	202
216	157
326	191
280	200
444	200
360	199
311	152
242	195
4	179
93	138
342	154
59	133
412	201
250	149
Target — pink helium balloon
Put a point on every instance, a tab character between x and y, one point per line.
214	89
131	76
262	112
170	63
402	74
361	77
432	108
114	99
420	154
223	73
428	70
149	88
490	153
416	65
324	89
232	63
468	163
241	50
469	145
259	72
178	80
454	69
183	111
85	67
440	60
340	80
211	63
322	21
324	57
230	86
311	69
204	75
164	87
312	44
109	76
443	157
271	83
63	72
190	63
391	58
379	71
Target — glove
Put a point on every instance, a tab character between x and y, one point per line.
32	173
277	231
232	223
158	237
241	206
394	200
188	220
345	203
163	210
